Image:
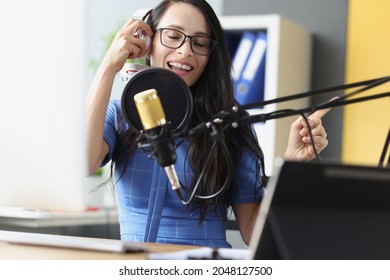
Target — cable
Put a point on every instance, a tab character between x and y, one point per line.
200	178
308	126
384	151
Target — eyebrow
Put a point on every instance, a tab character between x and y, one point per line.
178	27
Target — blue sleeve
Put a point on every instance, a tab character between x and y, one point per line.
110	128
247	185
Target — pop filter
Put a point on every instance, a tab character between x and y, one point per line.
175	96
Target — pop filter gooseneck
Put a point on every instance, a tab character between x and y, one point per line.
175	96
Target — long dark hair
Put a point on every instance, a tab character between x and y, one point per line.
212	93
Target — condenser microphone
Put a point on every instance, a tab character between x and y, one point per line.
157	132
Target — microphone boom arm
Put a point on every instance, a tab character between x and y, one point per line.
287	113
231	117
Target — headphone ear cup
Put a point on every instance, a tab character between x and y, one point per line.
148	43
143	36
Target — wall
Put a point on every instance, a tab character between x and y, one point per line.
368	43
326	20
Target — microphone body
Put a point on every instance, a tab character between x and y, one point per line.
157	132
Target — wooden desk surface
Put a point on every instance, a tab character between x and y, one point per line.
10	251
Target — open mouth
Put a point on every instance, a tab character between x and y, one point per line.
176	66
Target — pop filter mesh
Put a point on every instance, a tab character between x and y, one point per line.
175	96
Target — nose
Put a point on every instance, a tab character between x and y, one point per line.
186	49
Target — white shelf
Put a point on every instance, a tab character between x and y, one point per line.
287	71
21	217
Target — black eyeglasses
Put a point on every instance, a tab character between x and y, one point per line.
174	39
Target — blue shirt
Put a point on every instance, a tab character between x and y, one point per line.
143	180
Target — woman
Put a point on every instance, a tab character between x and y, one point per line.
187	39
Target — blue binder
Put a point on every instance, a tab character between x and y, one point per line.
241	56
250	86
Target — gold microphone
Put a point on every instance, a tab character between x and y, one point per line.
153	120
149	109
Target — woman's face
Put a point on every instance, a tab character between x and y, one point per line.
182	61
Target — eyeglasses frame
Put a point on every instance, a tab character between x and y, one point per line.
190	37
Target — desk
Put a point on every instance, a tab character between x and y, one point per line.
10	251
101	223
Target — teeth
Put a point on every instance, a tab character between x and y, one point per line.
179	65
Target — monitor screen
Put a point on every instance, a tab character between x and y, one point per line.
324	211
42	151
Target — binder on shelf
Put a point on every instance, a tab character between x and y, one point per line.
250	86
242	54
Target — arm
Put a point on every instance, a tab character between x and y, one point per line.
246	215
299	148
124	46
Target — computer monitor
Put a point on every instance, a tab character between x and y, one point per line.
42	119
324	211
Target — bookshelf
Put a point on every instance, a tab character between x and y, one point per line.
287	71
